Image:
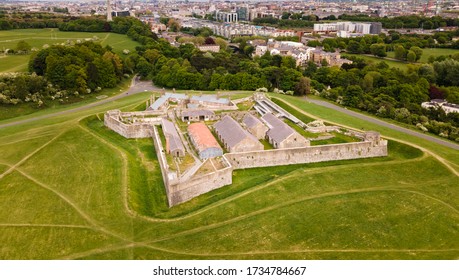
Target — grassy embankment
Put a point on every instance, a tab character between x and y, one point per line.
70	188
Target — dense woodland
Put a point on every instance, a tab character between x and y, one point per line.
375	88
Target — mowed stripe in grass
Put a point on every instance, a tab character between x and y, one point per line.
14	63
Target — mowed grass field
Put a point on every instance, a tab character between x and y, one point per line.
426	53
392	63
39	37
404	65
72	189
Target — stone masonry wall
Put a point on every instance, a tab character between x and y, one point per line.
195	186
307	154
179	192
135	130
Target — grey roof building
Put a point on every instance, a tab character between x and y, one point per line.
280	135
197	115
255	126
205	143
174	145
208	99
234	137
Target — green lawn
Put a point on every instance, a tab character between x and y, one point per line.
426	53
37	38
72	189
397	64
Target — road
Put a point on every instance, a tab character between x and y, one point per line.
383	123
137	86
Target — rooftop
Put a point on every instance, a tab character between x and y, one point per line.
194	113
231	131
251	121
202	136
173	138
211	99
278	130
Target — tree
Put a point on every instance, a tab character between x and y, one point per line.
417	51
354	47
173	25
22	47
411	56
303	87
353	95
209	41
400	52
378	50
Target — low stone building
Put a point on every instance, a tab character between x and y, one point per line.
234	137
282	136
255	126
174	145
210	100
203	140
209	48
197	115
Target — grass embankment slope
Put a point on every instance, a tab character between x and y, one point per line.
37	38
72	189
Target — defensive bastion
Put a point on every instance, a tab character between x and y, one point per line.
183	187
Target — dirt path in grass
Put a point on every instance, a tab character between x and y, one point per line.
295	201
46	225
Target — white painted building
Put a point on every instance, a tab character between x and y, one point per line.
441	104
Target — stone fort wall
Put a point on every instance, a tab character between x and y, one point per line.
183	191
307	154
178	191
137	129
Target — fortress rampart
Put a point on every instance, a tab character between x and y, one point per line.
307	154
179	192
181	189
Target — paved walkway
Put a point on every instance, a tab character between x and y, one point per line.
383	123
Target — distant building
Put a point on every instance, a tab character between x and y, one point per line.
203	140
209	100
332	59
243	13
174	145
441	104
197	115
121	13
281	135
209	48
376	28
255	126
212	101
349	29
227	16
234	137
